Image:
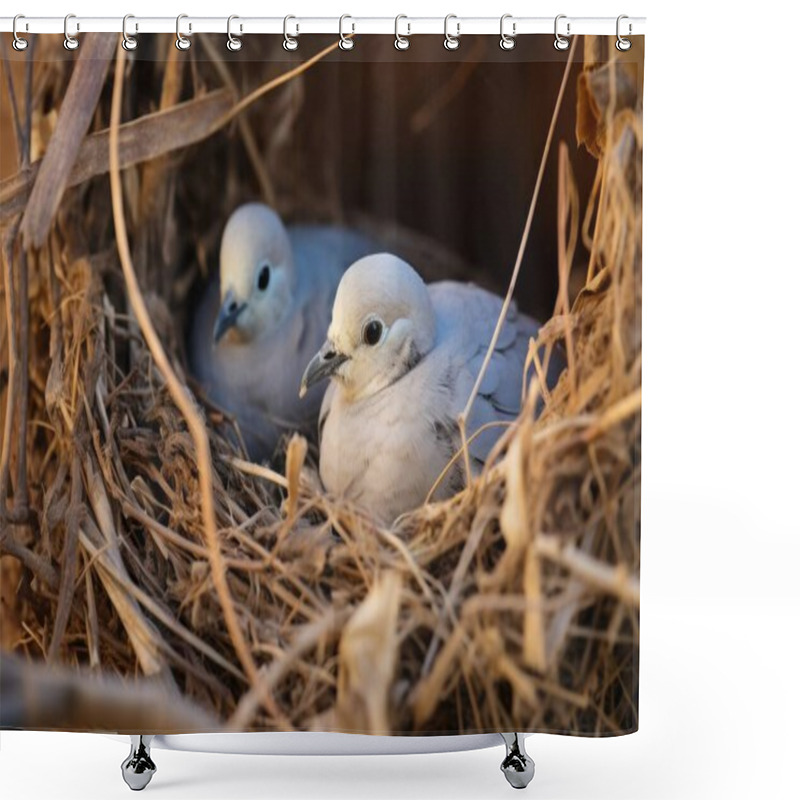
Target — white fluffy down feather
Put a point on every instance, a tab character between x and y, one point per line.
403	358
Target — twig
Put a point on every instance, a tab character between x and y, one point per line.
23	342
621	410
141	140
249	468
80	101
423	116
449	465
99	531
13	365
148	137
246	129
179	394
614	580
69	559
129	510
38	696
464	415
477	529
541	373
276	82
567	200
28	128
307	637
38	565
106	568
597	197
12	97
92	625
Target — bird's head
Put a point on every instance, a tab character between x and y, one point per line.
383	323
256	274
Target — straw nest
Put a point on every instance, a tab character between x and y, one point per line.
138	540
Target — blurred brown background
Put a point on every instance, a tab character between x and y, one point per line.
446	144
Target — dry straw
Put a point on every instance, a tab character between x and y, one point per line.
139	542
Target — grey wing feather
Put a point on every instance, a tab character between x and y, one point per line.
468	316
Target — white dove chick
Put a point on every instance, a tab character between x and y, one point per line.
259	324
403	358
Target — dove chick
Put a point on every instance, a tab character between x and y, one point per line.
261	320
403	358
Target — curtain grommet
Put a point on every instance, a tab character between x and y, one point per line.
401	42
507	41
561	43
290	43
234	43
70	42
181	41
346	42
128	42
451	41
623	44
19	44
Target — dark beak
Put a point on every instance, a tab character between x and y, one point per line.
228	315
323	365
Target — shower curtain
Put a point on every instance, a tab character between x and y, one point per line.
442	535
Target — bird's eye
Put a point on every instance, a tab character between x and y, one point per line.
372	332
263	278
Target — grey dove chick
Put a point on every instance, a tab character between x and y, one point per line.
261	321
403	358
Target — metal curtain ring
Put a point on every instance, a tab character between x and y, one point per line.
19	43
507	42
561	42
70	42
346	42
623	44
451	42
289	42
128	42
181	42
401	42
234	44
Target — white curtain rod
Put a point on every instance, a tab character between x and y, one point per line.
463	26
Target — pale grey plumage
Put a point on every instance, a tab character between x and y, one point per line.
385	440
254	370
